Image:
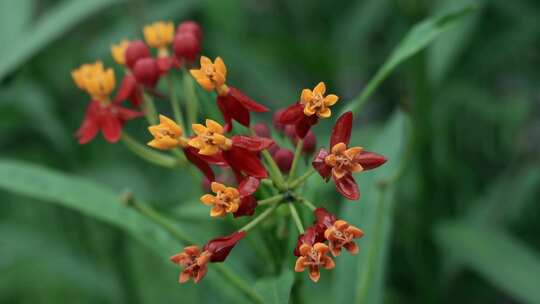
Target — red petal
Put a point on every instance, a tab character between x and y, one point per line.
247	102
222	105
245	161
370	160
311	236
194	157
252	143
111	128
320	165
342	130
247	206
324	218
87	131
238	112
164	64
347	187
126	114
291	114
303	125
221	247
127	88
248	186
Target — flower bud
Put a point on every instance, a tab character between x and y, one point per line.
262	130
136	50
290	132
190	27
275	119
146	72
222	246
284	159
186	46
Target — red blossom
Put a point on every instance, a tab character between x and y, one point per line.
221	247
131	90
247	202
147	72
346	161
235	105
186	46
108	118
284	159
294	115
190	27
243	156
136	50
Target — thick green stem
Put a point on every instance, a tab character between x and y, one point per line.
294	166
299	181
275	173
148	154
271	200
149	109
296	218
260	217
307	203
175	103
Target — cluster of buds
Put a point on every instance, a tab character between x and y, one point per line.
253	159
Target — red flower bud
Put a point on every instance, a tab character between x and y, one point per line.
222	246
136	50
262	130
284	159
146	72
324	218
290	132
186	46
190	27
310	142
275	119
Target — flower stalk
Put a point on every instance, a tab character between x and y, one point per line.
175	103
297	155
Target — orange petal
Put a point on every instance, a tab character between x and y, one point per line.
338	172
339	148
306	96
314	273
209	150
216	187
321	248
324	113
220	67
217	211
356	232
205	61
300	264
208	199
184	277
353	151
328	263
352	247
320	88
330	100
199	129
304	249
213	126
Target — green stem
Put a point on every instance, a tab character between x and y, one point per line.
175	104
192	101
273	170
307	203
299	181
294	166
296	218
148	154
239	283
271	200
149	109
162	221
260	217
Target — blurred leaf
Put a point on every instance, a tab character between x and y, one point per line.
495	255
359	279
32	99
59	269
14	18
445	51
49	27
276	290
416	39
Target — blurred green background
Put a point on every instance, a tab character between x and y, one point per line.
453	218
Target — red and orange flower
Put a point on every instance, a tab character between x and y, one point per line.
342	160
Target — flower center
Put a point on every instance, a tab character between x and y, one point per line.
224	199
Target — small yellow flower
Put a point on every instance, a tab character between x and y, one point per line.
211	75
95	80
226	200
118	51
159	34
316	103
167	134
343	160
210	139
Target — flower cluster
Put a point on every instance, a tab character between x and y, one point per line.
246	161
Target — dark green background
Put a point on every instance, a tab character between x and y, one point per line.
465	208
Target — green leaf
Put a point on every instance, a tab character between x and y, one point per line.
495	255
48	27
14	18
359	278
92	200
276	290
420	36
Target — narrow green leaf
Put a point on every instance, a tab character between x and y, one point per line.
494	254
276	290
360	278
420	36
49	27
